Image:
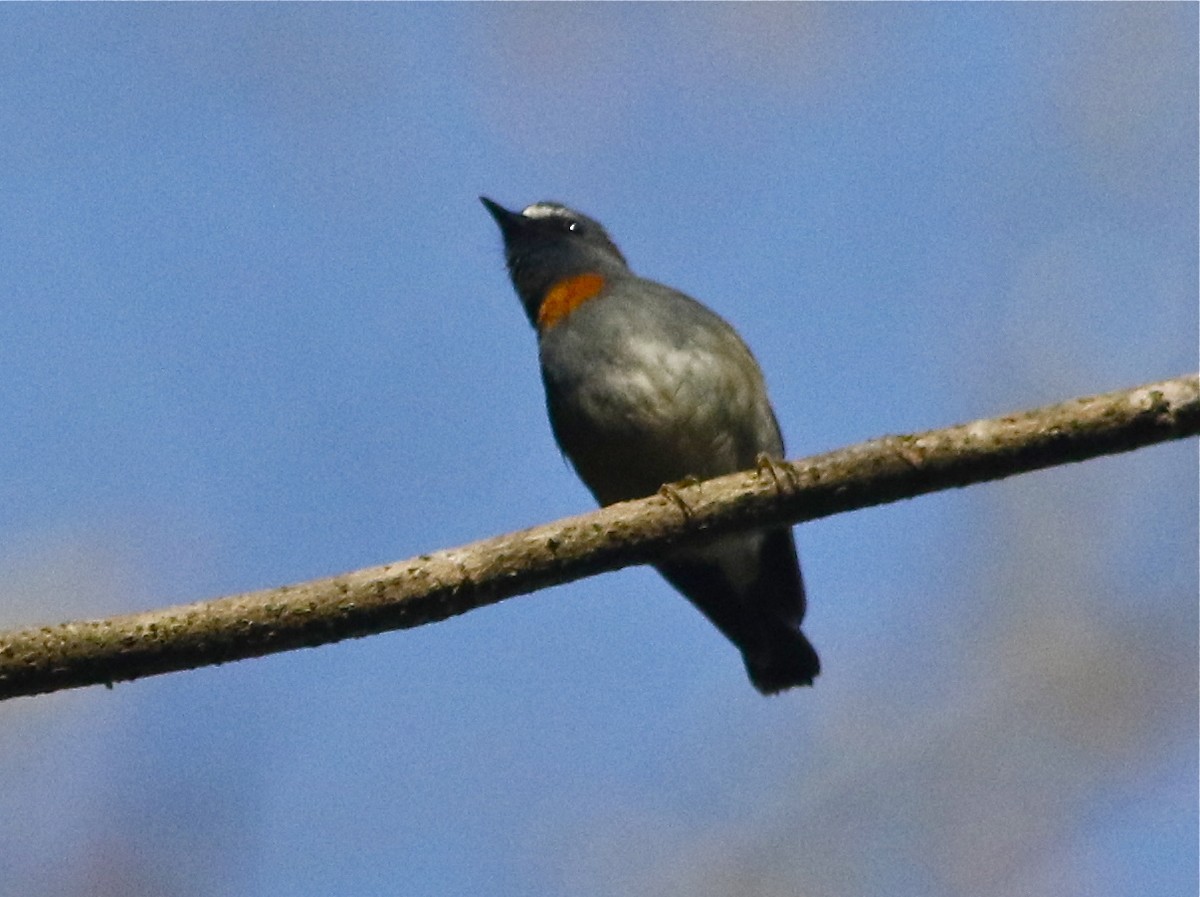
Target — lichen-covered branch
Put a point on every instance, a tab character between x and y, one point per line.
440	585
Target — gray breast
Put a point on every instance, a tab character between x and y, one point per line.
638	397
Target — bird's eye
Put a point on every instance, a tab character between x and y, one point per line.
572	225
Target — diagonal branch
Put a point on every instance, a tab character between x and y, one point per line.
433	587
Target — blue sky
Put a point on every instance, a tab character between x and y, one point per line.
257	330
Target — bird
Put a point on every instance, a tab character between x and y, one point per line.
646	387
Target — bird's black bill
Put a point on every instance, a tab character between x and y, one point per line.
503	216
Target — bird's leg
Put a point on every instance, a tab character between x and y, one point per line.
670	491
764	463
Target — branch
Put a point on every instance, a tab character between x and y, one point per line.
436	586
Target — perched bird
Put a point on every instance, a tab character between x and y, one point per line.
645	387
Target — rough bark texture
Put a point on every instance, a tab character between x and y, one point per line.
440	585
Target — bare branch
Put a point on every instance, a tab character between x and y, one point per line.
440	585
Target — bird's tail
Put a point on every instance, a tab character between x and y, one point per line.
750	587
782	659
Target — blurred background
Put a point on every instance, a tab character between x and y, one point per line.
256	329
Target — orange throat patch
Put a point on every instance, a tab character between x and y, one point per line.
566	296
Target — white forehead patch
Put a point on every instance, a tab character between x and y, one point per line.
545	210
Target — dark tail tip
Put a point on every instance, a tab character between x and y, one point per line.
791	661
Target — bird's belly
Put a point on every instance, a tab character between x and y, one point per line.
652	416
